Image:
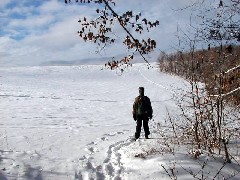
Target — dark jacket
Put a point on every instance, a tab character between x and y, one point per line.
148	105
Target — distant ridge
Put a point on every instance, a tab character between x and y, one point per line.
93	61
89	61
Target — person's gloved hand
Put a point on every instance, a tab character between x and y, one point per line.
134	117
150	117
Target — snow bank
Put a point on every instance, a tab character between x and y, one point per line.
75	123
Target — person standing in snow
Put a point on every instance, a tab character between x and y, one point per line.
142	112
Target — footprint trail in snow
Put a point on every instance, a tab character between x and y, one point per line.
110	168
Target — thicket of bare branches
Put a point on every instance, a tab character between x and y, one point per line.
212	115
205	64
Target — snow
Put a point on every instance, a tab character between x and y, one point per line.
75	122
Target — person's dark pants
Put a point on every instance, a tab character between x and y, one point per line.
142	119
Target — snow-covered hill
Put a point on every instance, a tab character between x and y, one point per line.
75	122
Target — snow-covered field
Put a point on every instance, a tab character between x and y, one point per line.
75	122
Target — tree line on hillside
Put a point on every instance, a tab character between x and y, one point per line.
213	99
208	66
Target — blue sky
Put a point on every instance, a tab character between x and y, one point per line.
34	32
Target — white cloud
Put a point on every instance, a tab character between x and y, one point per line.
3	3
51	32
32	22
52	6
57	37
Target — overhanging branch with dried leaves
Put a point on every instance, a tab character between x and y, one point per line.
100	30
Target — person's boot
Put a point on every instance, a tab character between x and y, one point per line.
146	136
137	135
